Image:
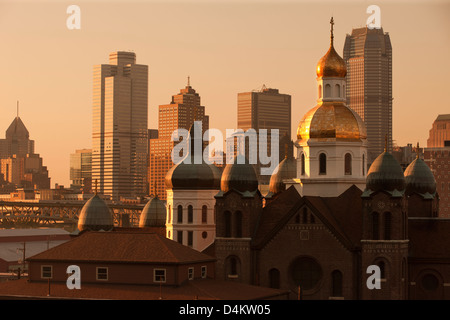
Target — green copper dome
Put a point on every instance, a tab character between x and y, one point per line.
419	178
385	173
287	169
239	175
153	214
95	216
193	176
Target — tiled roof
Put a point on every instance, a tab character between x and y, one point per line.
201	289
122	246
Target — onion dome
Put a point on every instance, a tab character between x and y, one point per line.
95	215
286	169
331	120
239	175
193	176
419	178
385	173
331	64
153	214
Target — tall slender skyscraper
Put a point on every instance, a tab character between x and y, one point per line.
119	132
181	113
368	55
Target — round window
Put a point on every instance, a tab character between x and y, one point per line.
306	273
204	234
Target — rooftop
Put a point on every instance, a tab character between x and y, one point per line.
122	246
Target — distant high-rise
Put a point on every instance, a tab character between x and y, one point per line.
181	113
437	156
81	170
17	140
19	165
265	109
439	134
368	55
119	132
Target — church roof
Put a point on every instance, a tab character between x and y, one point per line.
341	215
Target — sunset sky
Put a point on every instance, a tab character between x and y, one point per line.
226	47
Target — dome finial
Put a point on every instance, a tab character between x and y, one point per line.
95	186
385	143
417	151
332	35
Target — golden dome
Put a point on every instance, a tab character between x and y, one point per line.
331	64
331	120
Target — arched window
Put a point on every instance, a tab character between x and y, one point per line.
238	224
204	214
387	225
430	282
180	214
297	218
305	216
322	163
169	215
232	266
348	164
190	214
303	164
336	283
327	91
320	91
382	267
274	278
375	226
363	165
337	91
227	223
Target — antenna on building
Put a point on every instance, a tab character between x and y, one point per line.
189	81
17	108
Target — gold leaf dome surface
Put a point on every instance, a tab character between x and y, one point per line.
331	65
331	120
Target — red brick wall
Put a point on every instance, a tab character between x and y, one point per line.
120	273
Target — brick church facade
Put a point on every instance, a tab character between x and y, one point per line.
326	220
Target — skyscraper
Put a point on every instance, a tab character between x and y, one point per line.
19	165
119	133
181	113
17	140
437	157
368	55
265	109
81	170
439	134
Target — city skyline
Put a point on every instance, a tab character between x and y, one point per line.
229	57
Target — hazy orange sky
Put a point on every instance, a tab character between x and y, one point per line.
225	47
